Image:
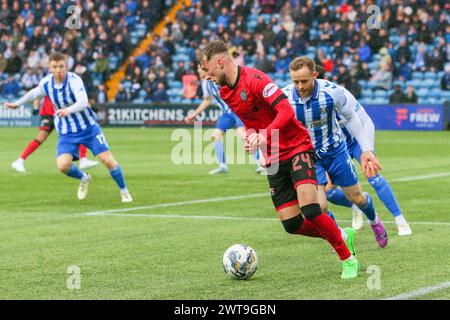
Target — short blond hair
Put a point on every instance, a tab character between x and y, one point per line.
57	56
211	49
301	62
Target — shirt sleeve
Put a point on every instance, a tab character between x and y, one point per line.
31	95
268	91
81	95
352	122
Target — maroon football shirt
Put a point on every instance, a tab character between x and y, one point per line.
260	104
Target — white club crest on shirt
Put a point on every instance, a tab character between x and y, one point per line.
269	90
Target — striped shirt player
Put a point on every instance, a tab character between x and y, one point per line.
70	94
318	113
45	128
75	123
378	182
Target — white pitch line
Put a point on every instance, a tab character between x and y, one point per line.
421	291
424	177
175	204
172	216
248	196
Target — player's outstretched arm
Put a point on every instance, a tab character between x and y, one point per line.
31	95
202	106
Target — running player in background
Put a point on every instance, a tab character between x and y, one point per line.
377	181
227	120
316	103
271	125
46	127
75	123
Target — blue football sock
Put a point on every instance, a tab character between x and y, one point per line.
218	147
76	173
332	217
257	155
117	175
368	209
337	196
385	193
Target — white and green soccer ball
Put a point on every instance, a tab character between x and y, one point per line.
240	261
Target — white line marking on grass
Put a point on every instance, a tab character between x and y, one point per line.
171	216
424	177
176	204
420	292
248	196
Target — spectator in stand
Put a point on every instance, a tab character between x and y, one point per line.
29	80
101	95
343	78
445	81
404	70
410	96
420	59
237	55
383	78
397	96
436	60
282	63
181	71
190	84
404	51
263	64
160	94
364	51
11	88
122	95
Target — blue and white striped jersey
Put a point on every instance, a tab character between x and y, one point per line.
318	114
210	89
64	95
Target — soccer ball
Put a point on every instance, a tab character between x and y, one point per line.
240	261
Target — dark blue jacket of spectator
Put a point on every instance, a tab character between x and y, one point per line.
365	53
11	88
160	96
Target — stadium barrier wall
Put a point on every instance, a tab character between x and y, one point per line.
385	117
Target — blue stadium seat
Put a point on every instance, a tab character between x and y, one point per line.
434	94
176	84
367	93
430	75
371	84
416	75
380	94
422	92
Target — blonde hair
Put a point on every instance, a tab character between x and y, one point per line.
301	62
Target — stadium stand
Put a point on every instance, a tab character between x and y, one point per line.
409	47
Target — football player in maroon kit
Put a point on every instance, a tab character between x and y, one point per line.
286	145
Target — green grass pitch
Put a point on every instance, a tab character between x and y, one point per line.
148	254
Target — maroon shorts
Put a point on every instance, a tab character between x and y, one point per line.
297	170
46	123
